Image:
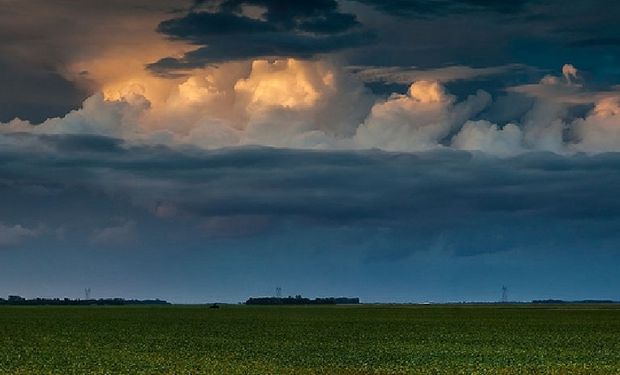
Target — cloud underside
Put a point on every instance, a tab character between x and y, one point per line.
426	8
247	191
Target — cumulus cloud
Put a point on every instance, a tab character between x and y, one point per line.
570	73
548	125
287	103
97	116
560	89
419	120
600	129
487	137
266	98
318	104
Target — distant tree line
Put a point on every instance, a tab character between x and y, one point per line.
299	300
20	301
585	301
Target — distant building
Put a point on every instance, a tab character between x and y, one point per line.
299	300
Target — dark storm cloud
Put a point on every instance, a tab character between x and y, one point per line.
443	7
321	16
417	195
286	29
597	42
35	94
41	40
195	26
541	34
228	48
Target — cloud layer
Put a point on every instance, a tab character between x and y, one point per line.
196	224
319	104
249	191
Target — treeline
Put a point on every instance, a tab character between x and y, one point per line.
299	300
585	301
20	301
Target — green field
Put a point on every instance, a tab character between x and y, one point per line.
300	340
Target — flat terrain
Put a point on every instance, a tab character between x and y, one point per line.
506	339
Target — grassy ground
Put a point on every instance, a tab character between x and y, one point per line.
300	340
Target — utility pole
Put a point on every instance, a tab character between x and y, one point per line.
504	294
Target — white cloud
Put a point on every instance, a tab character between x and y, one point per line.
487	137
600	129
419	120
117	118
570	73
565	89
319	105
545	127
284	103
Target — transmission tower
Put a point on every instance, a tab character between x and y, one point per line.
87	293
278	292
504	294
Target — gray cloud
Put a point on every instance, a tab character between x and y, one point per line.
597	42
420	8
14	235
49	49
34	93
260	45
286	29
231	189
372	220
407	75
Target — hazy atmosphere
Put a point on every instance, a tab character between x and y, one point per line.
396	151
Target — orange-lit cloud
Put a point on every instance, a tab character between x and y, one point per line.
101	45
419	120
319	104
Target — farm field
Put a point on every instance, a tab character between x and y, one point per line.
365	339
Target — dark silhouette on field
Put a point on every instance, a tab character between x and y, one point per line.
20	301
299	300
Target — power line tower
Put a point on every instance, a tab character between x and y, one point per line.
504	294
87	293
278	292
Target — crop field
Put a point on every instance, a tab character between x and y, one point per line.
310	340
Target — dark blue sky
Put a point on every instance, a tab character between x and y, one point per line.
408	151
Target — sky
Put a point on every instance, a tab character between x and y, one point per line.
396	151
